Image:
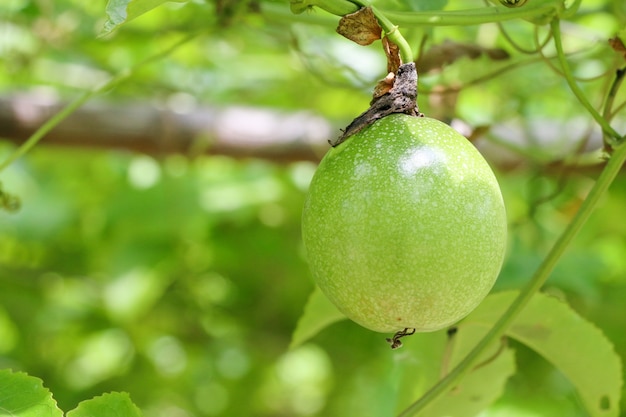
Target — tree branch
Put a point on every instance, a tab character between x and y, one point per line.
236	131
279	136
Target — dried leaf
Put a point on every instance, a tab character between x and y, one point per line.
393	63
384	86
618	46
361	27
393	55
448	52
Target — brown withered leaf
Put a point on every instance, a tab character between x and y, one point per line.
384	86
618	46
393	63
361	26
393	55
448	52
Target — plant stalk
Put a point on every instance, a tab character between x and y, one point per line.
578	92
465	17
391	31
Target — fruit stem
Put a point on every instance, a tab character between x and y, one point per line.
391	31
468	17
394	35
608	113
605	179
343	7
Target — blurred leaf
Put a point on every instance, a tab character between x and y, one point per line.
429	356
9	333
573	345
122	11
113	404
103	354
22	395
417	367
319	313
448	52
9	202
478	389
617	43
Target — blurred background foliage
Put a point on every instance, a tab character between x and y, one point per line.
180	278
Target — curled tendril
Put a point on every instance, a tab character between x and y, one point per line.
395	340
513	3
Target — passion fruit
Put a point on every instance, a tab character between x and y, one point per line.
404	225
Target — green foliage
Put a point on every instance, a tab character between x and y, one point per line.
22	395
25	396
180	278
112	404
549	327
8	202
480	388
318	314
573	345
122	11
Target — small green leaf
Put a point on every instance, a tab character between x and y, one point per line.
477	390
22	395
8	202
319	313
389	380
427	357
122	11
114	404
416	367
573	345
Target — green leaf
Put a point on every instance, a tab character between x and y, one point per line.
573	345
480	387
115	404
122	11
387	380
429	356
8	202
22	395
319	313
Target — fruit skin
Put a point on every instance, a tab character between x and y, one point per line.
404	225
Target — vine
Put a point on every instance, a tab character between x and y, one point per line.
613	136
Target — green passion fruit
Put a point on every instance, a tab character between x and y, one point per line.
404	225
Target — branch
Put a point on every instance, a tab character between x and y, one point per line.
278	136
236	131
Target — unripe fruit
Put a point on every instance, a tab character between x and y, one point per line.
404	225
